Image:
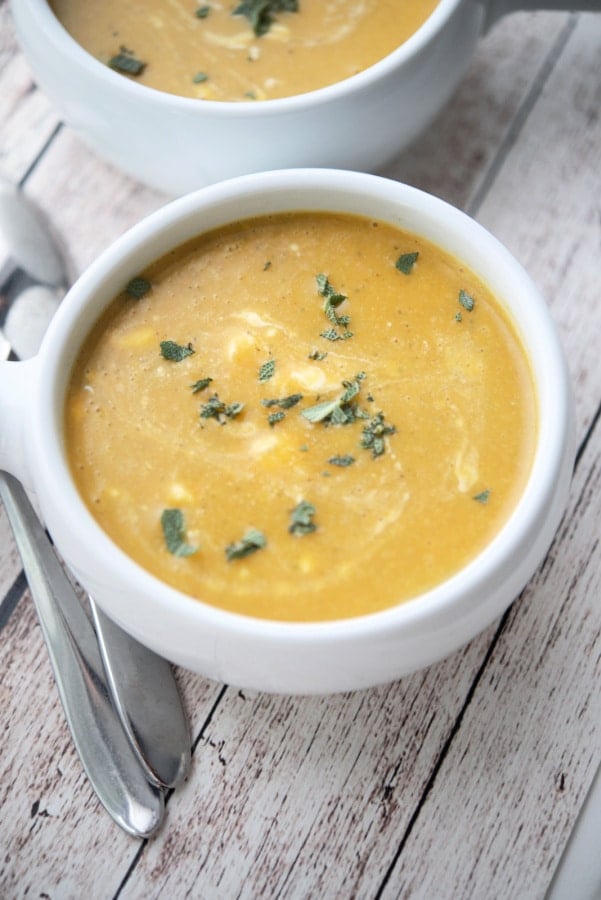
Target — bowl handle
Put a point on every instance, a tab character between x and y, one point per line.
17	381
495	9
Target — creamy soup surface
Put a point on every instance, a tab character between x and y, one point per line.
204	50
302	417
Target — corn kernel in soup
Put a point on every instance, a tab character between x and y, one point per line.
302	417
240	51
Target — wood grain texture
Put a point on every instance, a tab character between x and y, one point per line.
513	773
503	802
26	120
48	813
460	781
452	159
89	203
10	564
544	203
298	796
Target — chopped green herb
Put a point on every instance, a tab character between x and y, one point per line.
202	12
267	265
352	388
466	301
329	308
290	401
200	385
200	77
458	317
126	63
333	299
341	461
267	370
283	402
339	411
301	518
326	290
138	287
315	354
321	411
261	13
174	532
331	335
215	408
175	352
406	261
252	541
374	433
250	95
275	417
482	497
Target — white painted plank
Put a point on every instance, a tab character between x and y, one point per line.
578	875
88	201
56	838
10	564
503	803
544	204
26	118
306	797
451	158
528	747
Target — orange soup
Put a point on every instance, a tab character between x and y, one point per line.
251	50
302	417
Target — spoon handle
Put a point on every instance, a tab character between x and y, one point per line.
108	759
147	699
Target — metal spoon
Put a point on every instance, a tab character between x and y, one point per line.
108	758
141	683
146	697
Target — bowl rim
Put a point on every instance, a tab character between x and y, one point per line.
550	451
54	30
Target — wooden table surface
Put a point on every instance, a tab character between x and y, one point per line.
463	780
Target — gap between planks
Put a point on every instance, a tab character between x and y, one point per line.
170	792
470	694
11	599
521	116
41	152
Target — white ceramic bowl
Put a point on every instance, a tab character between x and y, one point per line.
178	144
275	656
